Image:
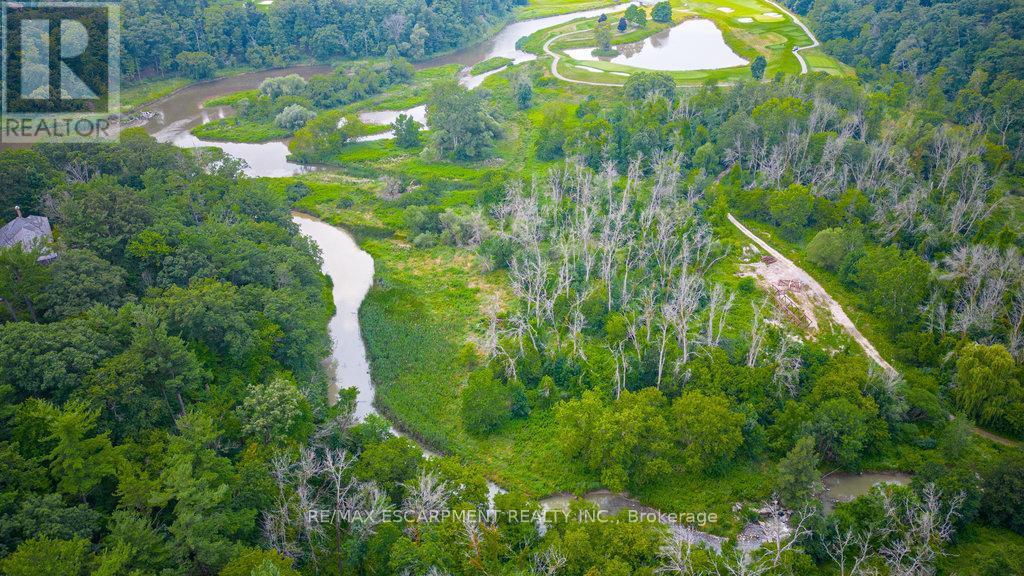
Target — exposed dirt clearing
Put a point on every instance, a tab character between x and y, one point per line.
807	293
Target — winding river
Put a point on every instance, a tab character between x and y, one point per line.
171	119
351	271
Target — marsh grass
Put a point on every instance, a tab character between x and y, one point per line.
235	129
489	65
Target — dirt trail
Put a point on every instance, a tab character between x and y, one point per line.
796	49
805	290
995	437
555	57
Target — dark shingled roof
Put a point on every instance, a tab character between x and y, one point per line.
30	232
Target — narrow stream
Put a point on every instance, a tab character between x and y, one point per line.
350	268
351	271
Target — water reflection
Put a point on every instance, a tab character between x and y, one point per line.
351	272
692	45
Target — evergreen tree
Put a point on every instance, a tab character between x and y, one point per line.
407	131
797	478
758	66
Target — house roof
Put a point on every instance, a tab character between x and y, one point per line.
30	232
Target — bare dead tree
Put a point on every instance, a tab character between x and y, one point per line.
1015	336
676	559
784	530
488	341
981	275
336	466
371	504
850	551
787	370
393	188
275	524
918	530
665	323
757	332
308	497
686	301
76	171
718	307
425	498
935	313
548	561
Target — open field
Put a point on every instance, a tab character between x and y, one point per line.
236	129
542	8
749	27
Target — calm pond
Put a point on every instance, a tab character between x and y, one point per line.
174	116
692	45
843	487
381	117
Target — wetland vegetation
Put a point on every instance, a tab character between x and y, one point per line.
566	301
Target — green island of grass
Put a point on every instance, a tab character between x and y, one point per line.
490	65
235	129
575	287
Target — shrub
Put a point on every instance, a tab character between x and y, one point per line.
636	15
662	12
486	403
642	84
791	210
289	85
294	117
757	67
832	246
407	132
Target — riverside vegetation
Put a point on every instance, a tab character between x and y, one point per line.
560	303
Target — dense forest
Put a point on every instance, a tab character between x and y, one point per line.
149	371
194	38
972	47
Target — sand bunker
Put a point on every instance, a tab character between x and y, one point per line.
599	71
724	9
745	20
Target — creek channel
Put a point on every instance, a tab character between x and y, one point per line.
171	118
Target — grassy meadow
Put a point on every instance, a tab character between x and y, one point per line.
422	315
750	28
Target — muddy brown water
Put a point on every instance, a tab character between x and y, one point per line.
351	272
174	116
844	487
